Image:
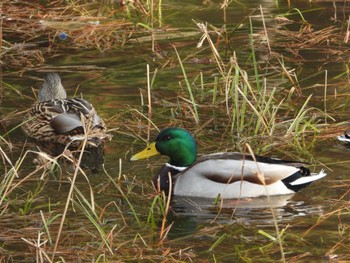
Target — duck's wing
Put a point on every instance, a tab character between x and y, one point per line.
65	123
232	167
248	157
58	116
65	116
57	120
80	107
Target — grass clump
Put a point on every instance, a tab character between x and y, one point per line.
239	99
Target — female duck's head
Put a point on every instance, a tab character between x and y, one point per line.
52	88
176	143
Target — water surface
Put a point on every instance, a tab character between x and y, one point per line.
113	81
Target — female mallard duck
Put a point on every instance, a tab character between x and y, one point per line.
230	175
57	122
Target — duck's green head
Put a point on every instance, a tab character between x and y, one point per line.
176	143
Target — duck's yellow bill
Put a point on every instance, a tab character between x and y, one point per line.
149	151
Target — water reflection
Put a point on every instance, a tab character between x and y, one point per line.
189	212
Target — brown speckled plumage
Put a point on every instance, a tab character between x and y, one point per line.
61	121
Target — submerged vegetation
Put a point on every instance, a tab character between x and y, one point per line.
234	84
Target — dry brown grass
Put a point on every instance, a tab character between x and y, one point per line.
295	43
37	30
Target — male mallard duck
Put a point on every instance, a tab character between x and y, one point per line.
57	122
231	174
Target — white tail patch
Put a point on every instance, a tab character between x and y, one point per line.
308	179
343	138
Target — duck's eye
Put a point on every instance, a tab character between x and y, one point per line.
166	138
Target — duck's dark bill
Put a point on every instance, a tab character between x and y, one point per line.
149	151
